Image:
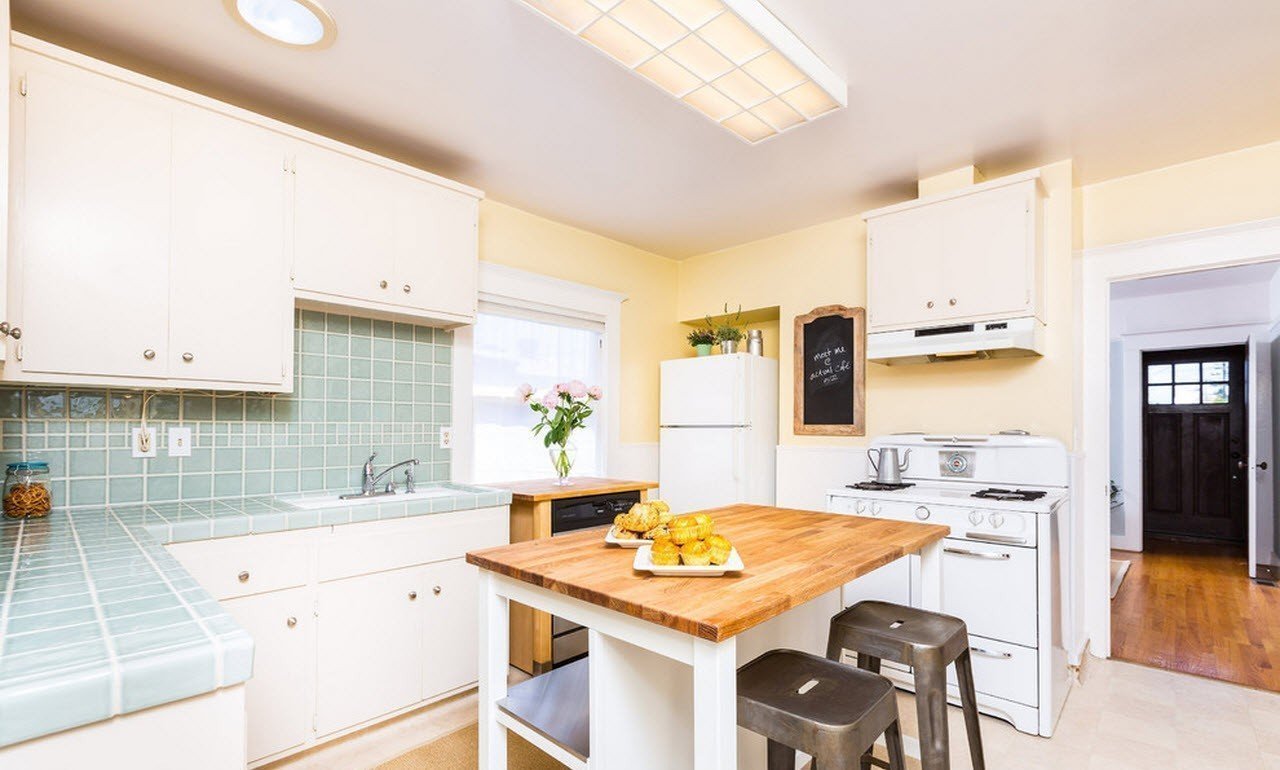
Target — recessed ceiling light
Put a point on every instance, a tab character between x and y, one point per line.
298	23
731	60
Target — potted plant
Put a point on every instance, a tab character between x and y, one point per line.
563	409
729	333
701	340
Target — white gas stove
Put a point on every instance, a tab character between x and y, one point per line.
1003	568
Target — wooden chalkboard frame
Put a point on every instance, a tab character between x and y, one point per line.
859	426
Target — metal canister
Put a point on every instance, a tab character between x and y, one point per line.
755	342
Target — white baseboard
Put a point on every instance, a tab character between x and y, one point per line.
805	473
637	461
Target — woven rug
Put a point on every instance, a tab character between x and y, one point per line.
1119	568
460	751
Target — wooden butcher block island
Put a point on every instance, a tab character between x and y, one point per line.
667	647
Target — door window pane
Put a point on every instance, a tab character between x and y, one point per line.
1159	374
1160	394
1186	373
1215	371
1216	393
1186	394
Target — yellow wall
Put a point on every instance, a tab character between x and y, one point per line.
650	333
826	264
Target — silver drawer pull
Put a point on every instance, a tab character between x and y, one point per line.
243	577
990	654
978	554
983	537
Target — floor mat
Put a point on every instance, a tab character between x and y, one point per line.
460	751
1119	568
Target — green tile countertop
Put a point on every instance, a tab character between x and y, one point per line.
98	619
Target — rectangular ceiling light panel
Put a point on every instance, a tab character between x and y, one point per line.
731	60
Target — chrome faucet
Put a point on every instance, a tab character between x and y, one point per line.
369	481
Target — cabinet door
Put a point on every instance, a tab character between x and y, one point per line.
230	291
369	647
436	257
451	627
988	254
904	259
92	181
276	701
344	226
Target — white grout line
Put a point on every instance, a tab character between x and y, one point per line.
117	702
8	590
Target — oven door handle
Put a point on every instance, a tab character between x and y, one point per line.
977	554
983	537
990	654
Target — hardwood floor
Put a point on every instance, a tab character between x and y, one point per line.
1191	607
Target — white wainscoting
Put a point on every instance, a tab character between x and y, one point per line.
637	461
805	473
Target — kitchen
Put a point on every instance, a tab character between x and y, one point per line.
240	283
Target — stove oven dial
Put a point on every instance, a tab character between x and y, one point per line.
860	507
975	518
957	463
875	509
996	520
922	513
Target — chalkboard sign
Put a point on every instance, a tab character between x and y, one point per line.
830	371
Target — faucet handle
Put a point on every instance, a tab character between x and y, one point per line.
410	483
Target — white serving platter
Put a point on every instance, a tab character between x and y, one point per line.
644	563
632	543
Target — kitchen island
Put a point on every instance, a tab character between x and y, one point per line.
664	651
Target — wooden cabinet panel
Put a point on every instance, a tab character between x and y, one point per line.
93	211
229	217
451	641
277	696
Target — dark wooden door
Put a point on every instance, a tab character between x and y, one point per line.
1195	444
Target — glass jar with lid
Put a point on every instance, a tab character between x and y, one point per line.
26	490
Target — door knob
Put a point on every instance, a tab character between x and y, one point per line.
243	577
952	303
407	288
1262	466
413	595
436	590
188	357
148	354
382	284
291	622
929	304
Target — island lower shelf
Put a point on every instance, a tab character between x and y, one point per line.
555	706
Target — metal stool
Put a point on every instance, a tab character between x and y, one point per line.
928	642
829	711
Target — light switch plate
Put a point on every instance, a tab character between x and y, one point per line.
446	437
179	442
144	445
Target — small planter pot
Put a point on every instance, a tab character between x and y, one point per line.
703	350
728	346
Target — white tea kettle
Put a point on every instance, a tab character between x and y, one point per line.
886	464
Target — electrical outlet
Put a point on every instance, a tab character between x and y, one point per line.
446	437
144	442
179	442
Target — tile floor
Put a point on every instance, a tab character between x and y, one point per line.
1121	717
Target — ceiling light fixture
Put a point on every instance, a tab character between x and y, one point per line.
296	23
731	60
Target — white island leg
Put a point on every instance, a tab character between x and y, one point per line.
931	577
715	704
494	654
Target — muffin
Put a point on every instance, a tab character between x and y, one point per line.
704	525
720	548
695	554
664	553
683	529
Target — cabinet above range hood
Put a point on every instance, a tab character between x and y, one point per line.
1012	338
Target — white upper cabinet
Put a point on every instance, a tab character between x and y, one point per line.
968	255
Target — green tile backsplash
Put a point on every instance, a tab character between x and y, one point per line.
359	386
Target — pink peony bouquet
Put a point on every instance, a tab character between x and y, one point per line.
562	409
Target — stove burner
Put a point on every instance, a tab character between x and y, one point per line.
878	486
1020	495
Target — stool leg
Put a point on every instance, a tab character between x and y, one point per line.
931	710
781	757
893	740
868	663
969	702
834	647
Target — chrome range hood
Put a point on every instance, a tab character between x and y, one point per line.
1009	338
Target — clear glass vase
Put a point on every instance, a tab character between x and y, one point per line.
562	457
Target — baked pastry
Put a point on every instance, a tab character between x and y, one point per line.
695	554
641	518
656	532
664	552
720	548
664	511
683	529
625	534
704	525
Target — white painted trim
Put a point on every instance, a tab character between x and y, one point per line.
1242	244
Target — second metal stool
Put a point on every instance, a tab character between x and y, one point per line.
928	642
829	711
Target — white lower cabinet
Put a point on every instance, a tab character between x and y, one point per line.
451	631
277	697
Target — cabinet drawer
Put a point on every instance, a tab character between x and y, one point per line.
992	588
361	549
252	564
1002	670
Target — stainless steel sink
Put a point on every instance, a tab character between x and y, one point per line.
311	502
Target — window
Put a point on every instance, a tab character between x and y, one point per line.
1188	383
514	346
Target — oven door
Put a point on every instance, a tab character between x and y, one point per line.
992	588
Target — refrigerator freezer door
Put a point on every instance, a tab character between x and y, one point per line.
711	390
702	468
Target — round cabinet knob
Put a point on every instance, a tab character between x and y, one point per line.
922	513
436	590
243	577
413	595
975	518
188	357
148	354
860	507
291	622
875	509
952	302
996	520
16	333
929	304
407	288
382	284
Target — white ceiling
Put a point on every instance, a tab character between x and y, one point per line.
1258	275
488	93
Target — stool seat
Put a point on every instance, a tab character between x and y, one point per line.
828	710
897	633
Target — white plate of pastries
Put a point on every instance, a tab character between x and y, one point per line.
641	525
673	545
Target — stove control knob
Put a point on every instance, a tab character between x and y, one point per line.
996	520
875	509
860	507
922	513
975	518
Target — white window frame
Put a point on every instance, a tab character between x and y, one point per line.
503	286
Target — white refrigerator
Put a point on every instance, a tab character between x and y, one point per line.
719	431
